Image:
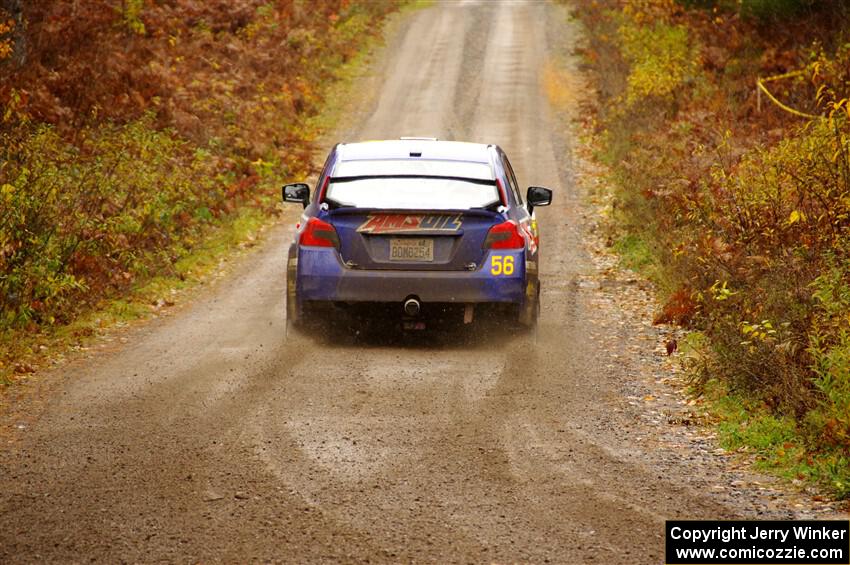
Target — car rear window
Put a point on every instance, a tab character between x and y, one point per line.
412	193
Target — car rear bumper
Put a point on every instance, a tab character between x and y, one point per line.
322	277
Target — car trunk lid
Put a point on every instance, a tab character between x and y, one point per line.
412	239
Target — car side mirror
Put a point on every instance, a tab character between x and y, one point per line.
538	196
298	192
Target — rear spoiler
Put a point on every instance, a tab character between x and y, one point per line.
490	182
350	210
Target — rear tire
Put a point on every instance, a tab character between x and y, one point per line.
294	322
312	320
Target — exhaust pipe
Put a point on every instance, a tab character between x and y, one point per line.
412	307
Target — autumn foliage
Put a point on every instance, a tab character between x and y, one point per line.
744	202
131	127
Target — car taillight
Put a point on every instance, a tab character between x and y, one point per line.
504	236
319	233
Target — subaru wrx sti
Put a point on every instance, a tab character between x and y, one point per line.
415	228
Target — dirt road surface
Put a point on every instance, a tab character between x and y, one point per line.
209	437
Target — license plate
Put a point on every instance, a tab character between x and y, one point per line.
410	250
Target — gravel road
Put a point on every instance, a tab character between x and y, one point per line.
209	437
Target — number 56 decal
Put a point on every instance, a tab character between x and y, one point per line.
502	265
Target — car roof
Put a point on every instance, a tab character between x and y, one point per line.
402	149
416	156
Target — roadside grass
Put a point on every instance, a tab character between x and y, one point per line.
564	86
776	444
748	427
631	224
635	253
411	5
632	232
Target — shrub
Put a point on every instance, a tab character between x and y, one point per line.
829	346
660	60
79	220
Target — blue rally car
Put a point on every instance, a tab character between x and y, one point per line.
415	228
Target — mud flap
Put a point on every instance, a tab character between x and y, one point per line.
292	307
530	310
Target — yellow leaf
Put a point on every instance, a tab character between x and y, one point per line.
796	216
